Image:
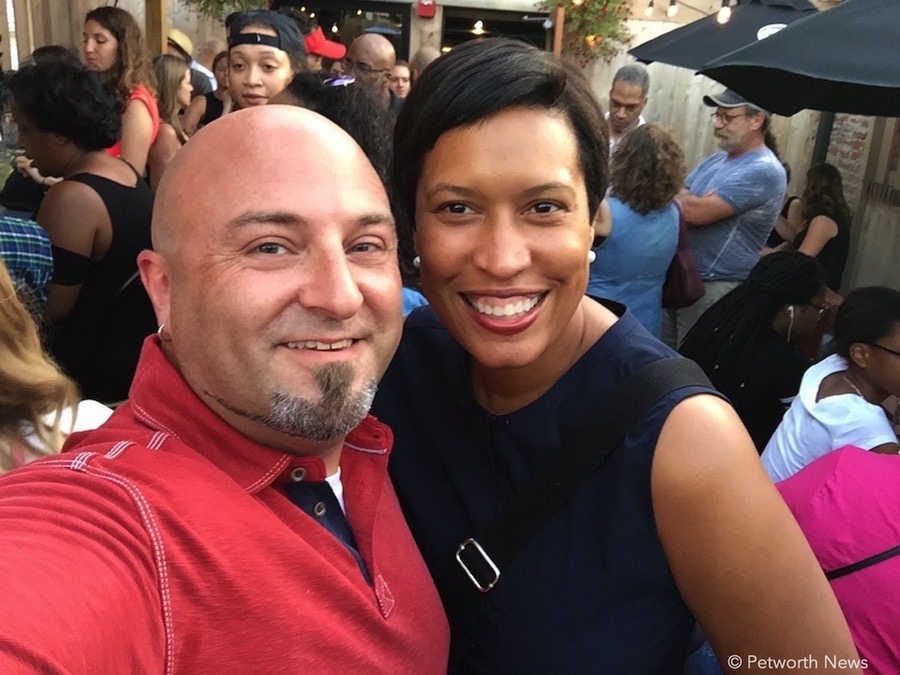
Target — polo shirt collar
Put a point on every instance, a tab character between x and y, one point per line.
162	399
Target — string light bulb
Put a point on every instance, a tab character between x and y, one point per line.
724	15
649	10
673	8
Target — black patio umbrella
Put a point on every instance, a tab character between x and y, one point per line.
845	59
698	42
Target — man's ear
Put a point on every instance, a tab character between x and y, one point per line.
155	277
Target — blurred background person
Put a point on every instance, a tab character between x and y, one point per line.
840	399
38	404
98	220
114	45
370	59
204	109
173	79
848	506
399	84
420	61
825	221
179	45
747	343
646	173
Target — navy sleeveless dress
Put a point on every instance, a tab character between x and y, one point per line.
592	592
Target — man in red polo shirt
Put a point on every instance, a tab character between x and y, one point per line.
235	515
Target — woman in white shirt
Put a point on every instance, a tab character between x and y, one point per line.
840	398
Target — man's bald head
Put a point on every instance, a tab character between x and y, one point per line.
275	274
371	58
233	159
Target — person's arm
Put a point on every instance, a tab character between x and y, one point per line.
137	135
73	216
25	167
886	449
194	113
161	153
738	556
821	229
700	211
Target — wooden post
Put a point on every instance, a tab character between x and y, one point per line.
559	17
156	28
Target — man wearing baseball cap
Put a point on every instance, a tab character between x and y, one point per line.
731	200
319	47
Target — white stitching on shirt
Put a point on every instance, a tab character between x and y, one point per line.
149	419
371	451
271	473
159	554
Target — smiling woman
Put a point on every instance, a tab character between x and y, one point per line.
500	160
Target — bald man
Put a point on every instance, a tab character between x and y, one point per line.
235	515
370	59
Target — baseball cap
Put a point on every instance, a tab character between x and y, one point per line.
288	37
181	42
730	99
318	44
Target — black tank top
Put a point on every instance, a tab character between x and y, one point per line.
99	342
214	109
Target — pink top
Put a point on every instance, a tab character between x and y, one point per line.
145	96
848	505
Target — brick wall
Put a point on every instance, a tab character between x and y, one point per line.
847	152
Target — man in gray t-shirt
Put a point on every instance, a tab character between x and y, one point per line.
731	201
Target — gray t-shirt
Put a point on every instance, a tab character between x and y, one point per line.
753	184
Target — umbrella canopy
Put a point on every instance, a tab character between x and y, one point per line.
698	42
845	59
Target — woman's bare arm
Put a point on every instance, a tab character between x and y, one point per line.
738	556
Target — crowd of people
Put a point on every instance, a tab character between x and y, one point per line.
223	264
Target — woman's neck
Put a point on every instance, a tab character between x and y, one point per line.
501	391
855	378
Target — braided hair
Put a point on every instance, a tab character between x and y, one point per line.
725	339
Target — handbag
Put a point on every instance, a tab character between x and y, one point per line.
480	560
683	285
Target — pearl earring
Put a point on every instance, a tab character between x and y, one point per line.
417	262
591	257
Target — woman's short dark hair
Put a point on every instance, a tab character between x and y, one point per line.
481	78
69	100
866	315
647	170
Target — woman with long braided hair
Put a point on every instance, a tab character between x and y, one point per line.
747	342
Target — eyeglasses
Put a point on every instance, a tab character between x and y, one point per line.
363	67
883	348
725	118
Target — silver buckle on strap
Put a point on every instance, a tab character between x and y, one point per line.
484	587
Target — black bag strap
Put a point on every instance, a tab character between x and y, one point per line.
862	564
479	560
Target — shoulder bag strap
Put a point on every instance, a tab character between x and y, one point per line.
479	560
862	564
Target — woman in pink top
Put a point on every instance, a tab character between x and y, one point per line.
112	44
848	505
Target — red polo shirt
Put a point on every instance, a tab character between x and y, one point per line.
163	542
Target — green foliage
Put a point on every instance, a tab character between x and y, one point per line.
593	29
219	9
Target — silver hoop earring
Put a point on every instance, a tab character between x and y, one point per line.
417	262
592	256
160	329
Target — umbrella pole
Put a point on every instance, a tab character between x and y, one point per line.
559	17
823	138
